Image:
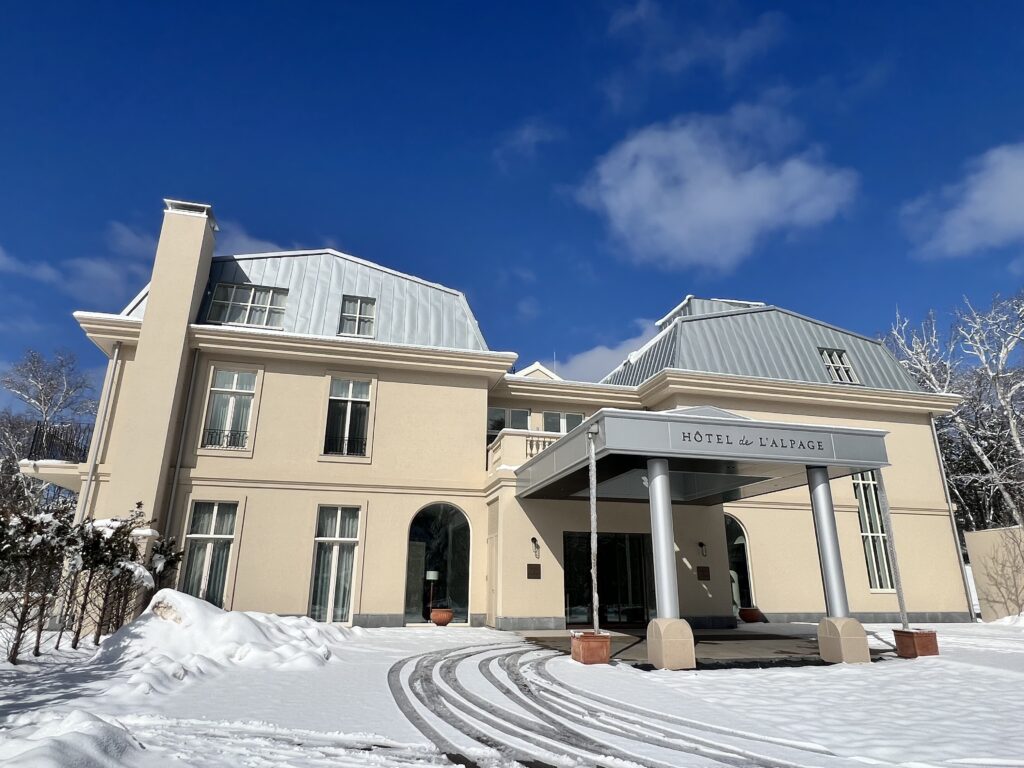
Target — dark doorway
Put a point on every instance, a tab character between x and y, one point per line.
739	566
437	570
625	579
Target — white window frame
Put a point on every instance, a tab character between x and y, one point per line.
508	420
210	538
865	489
344	457
212	390
360	316
562	417
249	305
336	541
837	363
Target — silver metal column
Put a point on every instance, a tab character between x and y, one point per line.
666	587
828	543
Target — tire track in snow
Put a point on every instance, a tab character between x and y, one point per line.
528	717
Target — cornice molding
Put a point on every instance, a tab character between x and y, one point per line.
105	330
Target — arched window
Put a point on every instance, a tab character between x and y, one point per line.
437	571
739	564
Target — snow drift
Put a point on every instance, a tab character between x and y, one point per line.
79	739
179	637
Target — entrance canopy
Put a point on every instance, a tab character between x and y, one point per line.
714	456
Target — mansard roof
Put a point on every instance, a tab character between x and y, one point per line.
758	340
409	310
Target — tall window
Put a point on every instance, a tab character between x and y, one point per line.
872	531
500	418
333	563
348	417
838	366
207	550
555	421
227	416
357	315
248	305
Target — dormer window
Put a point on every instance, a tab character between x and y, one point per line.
357	316
838	366
248	305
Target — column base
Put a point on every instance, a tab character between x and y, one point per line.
670	644
842	641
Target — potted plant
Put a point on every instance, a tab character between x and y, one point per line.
441	615
592	646
911	643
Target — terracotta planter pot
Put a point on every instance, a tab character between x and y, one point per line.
590	648
442	616
752	615
911	643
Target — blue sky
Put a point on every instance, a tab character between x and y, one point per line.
575	168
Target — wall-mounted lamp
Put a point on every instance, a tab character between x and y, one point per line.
536	547
703	548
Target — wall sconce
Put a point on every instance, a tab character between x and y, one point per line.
536	547
703	548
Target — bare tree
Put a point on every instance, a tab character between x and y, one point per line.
981	439
52	388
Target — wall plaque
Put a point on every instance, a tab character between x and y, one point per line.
533	570
703	573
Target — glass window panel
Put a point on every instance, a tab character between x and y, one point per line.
341	387
246	381
349	523
343	581
218	573
223	379
236	313
222	292
366	327
217	419
276	318
327	522
361	390
279	299
261	296
882	558
258	316
350	305
192	581
520	419
368	307
242	294
495	419
552	421
334	436
348	325
573	420
240	414
357	429
225	525
202	517
321	581
218	312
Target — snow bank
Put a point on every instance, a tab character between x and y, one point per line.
1010	621
179	637
77	739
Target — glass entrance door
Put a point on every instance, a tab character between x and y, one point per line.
625	578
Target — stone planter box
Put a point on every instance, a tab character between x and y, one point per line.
911	643
591	648
442	616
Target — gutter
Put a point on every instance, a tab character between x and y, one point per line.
101	428
952	518
186	415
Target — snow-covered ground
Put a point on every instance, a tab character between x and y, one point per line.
188	684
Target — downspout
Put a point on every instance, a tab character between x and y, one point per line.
183	434
952	516
101	429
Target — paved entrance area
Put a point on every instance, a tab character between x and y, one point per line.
715	648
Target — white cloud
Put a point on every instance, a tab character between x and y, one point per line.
523	141
527	309
982	211
25	268
703	190
595	363
233	238
126	241
665	47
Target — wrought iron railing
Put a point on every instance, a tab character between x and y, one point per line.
225	438
342	446
60	442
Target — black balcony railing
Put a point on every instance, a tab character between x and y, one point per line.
60	442
225	438
341	446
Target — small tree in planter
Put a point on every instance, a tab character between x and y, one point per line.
592	647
